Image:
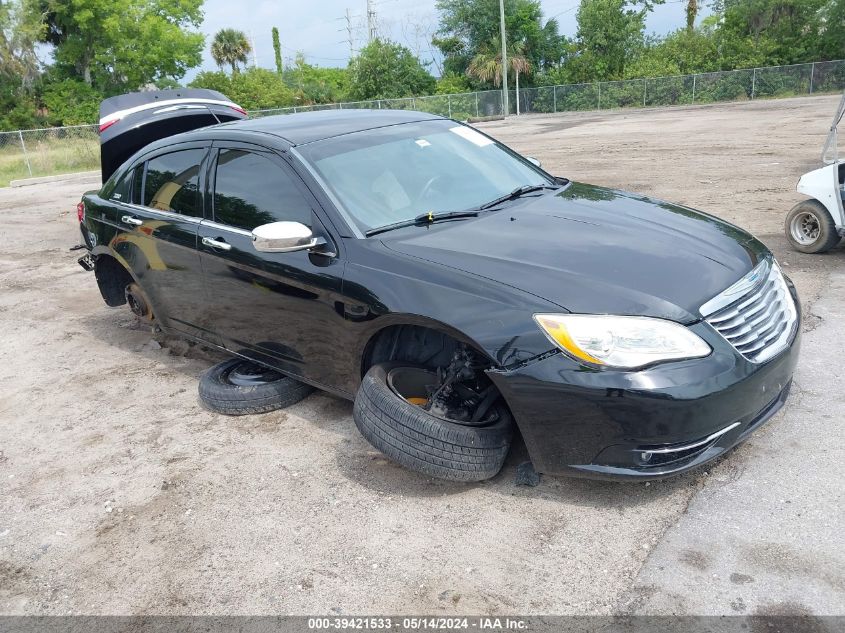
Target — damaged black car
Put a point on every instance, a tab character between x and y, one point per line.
454	290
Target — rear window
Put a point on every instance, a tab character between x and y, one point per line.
172	182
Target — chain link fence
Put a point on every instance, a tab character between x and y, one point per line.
48	151
27	153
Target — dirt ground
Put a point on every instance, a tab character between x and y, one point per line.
121	495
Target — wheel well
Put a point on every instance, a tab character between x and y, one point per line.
112	279
440	351
416	344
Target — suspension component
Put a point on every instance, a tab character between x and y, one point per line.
137	301
463	393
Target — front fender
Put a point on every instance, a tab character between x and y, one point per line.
823	185
494	318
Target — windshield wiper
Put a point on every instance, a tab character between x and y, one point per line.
429	218
423	218
516	193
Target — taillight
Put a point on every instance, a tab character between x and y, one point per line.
107	125
80	211
238	109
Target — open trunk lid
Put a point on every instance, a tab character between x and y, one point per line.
131	121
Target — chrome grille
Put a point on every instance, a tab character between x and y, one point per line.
756	314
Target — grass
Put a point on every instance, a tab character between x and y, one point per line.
50	152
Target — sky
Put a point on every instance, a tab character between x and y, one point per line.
317	28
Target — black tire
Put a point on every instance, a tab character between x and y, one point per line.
219	394
420	441
809	228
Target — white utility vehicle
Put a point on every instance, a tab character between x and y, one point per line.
816	225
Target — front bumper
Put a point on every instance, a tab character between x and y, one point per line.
648	424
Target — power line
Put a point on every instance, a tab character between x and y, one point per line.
308	55
572	8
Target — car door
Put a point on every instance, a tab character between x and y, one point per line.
158	240
275	307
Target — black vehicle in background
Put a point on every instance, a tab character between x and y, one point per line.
129	122
451	288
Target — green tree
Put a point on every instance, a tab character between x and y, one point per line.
692	12
772	32
313	84
120	45
452	84
486	66
21	28
71	102
468	26
277	51
253	88
609	33
386	70
830	42
231	47
679	53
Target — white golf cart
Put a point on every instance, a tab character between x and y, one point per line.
815	226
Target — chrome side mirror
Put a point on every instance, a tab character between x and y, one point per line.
534	161
283	237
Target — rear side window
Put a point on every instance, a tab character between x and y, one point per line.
122	191
172	182
251	190
137	183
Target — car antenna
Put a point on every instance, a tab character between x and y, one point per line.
211	112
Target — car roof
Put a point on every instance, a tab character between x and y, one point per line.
294	129
307	127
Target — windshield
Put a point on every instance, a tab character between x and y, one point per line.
397	173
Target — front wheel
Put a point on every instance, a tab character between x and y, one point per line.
810	229
430	444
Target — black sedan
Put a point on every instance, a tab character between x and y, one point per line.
453	289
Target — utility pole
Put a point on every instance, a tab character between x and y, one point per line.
371	20
505	108
254	55
350	39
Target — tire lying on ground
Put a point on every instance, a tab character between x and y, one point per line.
241	387
428	444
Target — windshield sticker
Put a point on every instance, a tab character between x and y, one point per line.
422	142
471	135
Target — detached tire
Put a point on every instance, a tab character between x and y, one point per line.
810	229
240	387
420	441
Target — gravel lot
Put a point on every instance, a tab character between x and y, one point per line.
120	495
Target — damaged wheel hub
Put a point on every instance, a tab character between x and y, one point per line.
459	392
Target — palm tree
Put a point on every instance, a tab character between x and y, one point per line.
230	46
692	12
486	66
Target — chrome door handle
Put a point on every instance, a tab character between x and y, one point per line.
128	219
210	241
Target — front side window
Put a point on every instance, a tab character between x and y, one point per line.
251	190
172	182
399	172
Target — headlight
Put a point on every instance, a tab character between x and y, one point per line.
627	342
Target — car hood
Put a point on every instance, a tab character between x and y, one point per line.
589	249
